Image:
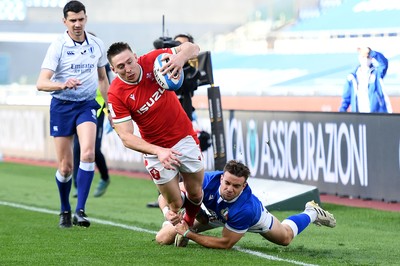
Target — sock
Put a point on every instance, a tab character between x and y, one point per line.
312	213
191	209
84	180
297	222
64	188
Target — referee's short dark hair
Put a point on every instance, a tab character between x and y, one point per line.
73	6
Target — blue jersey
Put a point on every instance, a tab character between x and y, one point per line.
68	59
239	214
377	99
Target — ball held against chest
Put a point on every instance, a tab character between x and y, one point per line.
166	81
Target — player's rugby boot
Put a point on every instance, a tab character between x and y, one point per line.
323	217
101	188
81	219
65	219
181	241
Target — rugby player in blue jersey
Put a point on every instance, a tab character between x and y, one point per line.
229	203
72	70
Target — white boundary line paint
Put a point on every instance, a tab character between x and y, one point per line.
269	257
138	229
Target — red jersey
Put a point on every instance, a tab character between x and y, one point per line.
157	112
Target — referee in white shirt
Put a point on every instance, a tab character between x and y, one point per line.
72	70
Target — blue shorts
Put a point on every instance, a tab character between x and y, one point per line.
65	116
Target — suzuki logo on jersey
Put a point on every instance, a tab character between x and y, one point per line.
154	98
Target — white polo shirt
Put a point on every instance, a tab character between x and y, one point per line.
363	79
67	58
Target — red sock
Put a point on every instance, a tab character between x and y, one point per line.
191	210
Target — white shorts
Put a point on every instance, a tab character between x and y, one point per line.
191	161
264	224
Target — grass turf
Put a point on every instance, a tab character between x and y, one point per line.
362	236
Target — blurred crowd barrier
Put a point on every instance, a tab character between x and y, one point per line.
340	153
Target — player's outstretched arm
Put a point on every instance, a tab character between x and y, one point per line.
227	240
125	131
168	157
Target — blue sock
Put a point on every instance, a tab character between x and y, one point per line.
301	221
84	180
64	188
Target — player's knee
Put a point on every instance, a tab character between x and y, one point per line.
160	239
87	156
286	242
166	235
277	236
176	205
195	198
65	170
163	239
195	194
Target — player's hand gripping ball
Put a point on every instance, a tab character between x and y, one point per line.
166	81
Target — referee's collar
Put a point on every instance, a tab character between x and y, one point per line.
70	42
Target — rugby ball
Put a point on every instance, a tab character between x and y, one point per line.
166	81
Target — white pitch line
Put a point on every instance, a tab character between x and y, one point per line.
269	257
138	229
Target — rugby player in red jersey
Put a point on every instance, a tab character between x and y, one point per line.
168	141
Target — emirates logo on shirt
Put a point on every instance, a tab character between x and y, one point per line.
155	174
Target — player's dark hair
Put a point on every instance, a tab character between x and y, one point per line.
117	48
187	36
73	6
237	168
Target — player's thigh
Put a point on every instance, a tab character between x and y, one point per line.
63	148
86	134
193	182
192	165
87	139
191	158
279	233
172	193
86	123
